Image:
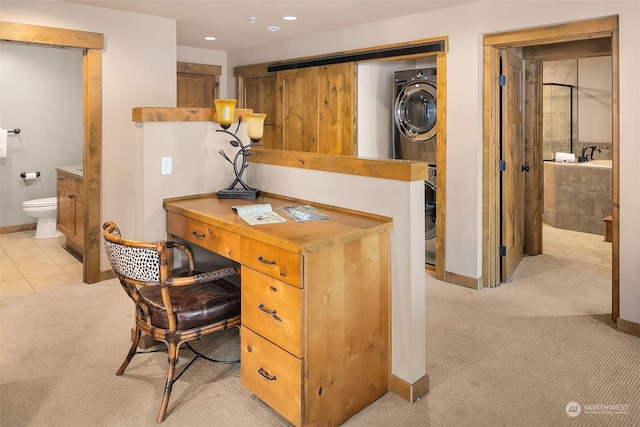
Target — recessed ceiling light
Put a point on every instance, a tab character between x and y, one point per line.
289	18
209	38
273	29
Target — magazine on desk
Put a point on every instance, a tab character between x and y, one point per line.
303	213
258	214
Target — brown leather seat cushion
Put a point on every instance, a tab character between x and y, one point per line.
194	305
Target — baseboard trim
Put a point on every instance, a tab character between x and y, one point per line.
16	228
106	275
409	392
459	279
628	327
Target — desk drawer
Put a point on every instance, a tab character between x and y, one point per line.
272	261
272	374
272	309
207	236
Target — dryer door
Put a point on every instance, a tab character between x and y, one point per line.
415	111
429	211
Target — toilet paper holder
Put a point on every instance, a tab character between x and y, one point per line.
24	174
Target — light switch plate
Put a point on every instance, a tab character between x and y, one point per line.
166	166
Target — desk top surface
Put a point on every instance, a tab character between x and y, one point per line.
342	226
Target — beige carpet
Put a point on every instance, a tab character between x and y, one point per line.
511	356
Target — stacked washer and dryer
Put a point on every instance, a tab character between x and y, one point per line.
414	137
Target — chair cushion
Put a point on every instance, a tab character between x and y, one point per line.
194	305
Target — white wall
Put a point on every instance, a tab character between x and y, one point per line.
465	26
594	100
41	91
197	167
375	98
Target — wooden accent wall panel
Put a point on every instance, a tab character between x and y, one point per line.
297	114
336	104
315	109
260	94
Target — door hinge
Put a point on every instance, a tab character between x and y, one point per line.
502	165
502	250
502	79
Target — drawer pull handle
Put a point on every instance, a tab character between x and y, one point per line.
266	375
271	312
199	236
266	261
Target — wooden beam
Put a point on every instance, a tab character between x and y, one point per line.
202	69
401	170
565	32
50	36
180	114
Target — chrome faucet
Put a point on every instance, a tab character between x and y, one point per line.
584	157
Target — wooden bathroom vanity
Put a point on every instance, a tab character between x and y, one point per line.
70	215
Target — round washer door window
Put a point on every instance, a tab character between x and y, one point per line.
415	111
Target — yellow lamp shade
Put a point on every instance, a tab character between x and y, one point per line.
225	109
255	126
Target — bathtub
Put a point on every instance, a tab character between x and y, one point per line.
597	163
577	196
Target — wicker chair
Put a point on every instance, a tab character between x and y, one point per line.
170	308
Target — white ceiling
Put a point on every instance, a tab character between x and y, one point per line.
228	20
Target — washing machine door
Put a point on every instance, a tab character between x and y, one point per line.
429	211
415	111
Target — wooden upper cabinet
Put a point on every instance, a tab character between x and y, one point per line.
259	94
315	109
198	84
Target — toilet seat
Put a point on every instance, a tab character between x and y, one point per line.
47	202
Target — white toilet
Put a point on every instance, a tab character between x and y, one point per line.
45	211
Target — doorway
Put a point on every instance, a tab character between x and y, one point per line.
92	45
494	44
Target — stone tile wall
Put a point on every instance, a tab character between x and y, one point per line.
577	196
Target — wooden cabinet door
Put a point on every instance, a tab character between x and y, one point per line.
259	94
65	211
195	90
78	214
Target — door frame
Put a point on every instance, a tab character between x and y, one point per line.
91	44
605	27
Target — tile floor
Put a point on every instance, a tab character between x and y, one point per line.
29	265
585	247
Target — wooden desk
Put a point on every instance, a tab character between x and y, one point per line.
315	342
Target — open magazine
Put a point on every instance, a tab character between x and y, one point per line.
303	213
258	214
